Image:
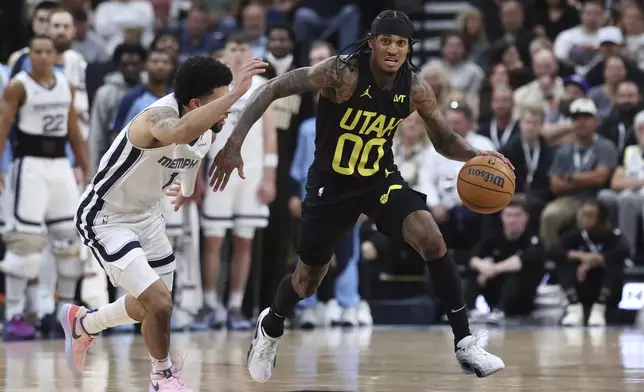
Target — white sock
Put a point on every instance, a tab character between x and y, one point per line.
14	296
210	298
46	303
33	297
159	365
107	316
66	288
235	300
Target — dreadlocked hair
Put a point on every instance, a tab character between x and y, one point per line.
361	47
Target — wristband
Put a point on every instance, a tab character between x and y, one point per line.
270	160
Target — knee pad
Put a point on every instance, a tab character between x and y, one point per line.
25	244
316	255
23	266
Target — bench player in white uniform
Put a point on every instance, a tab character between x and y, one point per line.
120	217
243	207
41	191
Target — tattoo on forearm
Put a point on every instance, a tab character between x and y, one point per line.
327	75
162	118
445	141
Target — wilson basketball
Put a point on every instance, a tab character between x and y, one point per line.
485	184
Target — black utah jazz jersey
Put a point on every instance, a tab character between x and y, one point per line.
353	139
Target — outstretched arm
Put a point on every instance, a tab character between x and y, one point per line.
445	141
330	73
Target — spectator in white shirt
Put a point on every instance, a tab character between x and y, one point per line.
438	181
115	16
409	147
627	187
580	44
547	88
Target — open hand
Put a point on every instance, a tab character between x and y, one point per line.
498	155
178	199
244	77
226	160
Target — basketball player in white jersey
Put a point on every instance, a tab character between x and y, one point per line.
120	217
41	193
244	207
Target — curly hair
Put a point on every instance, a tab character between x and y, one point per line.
198	76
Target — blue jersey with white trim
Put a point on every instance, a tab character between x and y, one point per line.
132	179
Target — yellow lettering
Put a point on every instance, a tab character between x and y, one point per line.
399	98
355	153
365	124
364	158
393	123
347	114
377	125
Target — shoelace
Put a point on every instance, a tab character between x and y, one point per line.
478	337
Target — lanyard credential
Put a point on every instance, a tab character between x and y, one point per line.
507	132
621	136
531	160
589	243
581	161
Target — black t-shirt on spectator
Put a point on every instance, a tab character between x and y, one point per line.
485	129
609	242
569	18
540	186
527	246
619	130
595	75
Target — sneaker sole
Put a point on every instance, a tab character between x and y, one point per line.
63	319
469	370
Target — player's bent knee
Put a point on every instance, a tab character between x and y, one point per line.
421	233
157	300
25	244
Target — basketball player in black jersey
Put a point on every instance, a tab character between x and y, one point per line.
364	96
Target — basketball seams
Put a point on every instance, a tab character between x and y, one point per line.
475	205
487	189
492	168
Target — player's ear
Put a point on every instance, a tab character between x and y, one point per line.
370	41
194	103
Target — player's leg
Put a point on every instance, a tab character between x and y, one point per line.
25	202
404	212
216	218
322	224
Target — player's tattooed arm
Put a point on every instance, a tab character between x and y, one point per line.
330	74
445	141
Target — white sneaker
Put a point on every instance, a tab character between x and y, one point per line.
349	317
262	352
308	318
473	359
332	313
477	316
574	316
364	314
597	316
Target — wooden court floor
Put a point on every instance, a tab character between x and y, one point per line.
397	360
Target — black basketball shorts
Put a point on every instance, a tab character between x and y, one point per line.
328	214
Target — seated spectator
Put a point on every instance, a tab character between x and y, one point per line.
508	267
604	94
167	41
113	17
579	44
195	40
89	44
438	182
633	25
532	157
499	77
546	88
503	128
465	76
507	54
626	195
317	20
579	170
611	43
409	148
539	43
438	80
558	129
516	31
590	262
552	17
618	126
471	26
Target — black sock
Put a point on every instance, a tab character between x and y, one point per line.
283	304
449	290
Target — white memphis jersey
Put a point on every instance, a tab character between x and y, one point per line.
45	110
253	148
132	179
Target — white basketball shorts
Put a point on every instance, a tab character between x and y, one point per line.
237	207
40	193
119	239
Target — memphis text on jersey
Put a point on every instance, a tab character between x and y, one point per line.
178	163
366	130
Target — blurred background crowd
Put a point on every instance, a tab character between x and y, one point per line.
553	84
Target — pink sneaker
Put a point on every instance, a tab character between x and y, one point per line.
77	341
168	380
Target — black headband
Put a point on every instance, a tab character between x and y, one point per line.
392	26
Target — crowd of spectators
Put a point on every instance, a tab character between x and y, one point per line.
553	84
